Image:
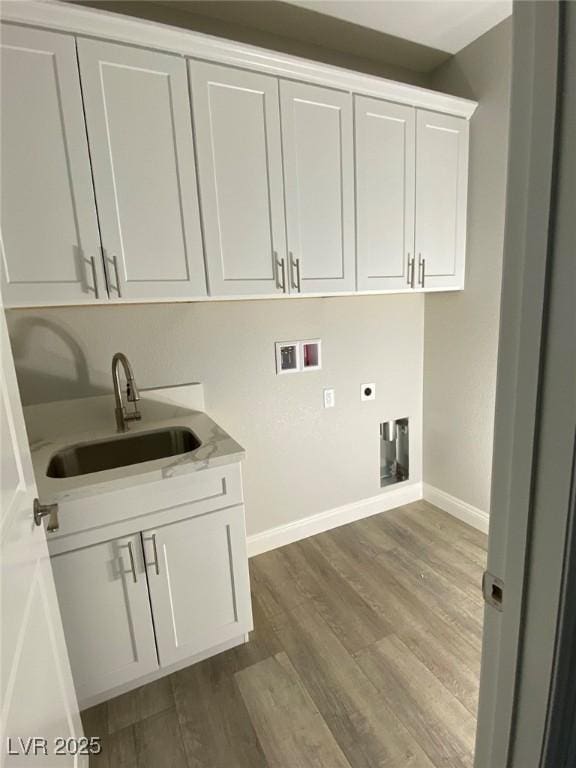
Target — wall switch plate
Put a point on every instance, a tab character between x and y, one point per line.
329	398
368	391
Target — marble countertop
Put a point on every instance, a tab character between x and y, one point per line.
54	426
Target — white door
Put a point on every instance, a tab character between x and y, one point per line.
103	597
385	144
140	135
36	691
199	584
319	178
441	199
237	128
49	232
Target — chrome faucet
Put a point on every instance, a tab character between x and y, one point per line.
132	394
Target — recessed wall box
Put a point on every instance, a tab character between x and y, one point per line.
287	357
394	452
311	354
295	356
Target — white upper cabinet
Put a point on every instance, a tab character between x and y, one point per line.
441	199
301	188
385	176
237	128
317	140
199	584
50	242
140	135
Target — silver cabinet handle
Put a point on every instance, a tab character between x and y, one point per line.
46	510
421	270
132	563
94	278
106	273
115	262
410	276
155	563
280	268
292	261
294	267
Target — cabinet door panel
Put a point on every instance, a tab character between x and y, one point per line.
140	134
318	163
106	614
237	125
199	586
385	155
51	247
441	199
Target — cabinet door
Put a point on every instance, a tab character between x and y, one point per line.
199	585
103	598
385	139
140	135
318	163
441	200
51	246
237	127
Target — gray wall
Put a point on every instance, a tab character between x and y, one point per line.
301	458
461	329
294	30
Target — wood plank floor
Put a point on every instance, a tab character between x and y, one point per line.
366	652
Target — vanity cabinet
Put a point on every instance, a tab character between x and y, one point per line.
197	574
139	604
237	130
103	597
51	244
140	135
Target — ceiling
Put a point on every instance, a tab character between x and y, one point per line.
447	25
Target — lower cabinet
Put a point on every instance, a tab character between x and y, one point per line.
199	584
103	597
137	604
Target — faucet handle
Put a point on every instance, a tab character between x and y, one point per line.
132	392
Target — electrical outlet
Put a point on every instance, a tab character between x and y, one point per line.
329	398
368	391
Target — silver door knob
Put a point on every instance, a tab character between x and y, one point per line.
46	510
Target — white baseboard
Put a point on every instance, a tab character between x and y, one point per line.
332	518
475	517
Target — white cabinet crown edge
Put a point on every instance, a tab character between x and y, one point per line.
60	16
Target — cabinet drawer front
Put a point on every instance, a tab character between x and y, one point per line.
48	219
90	520
140	133
199	584
103	597
237	124
318	161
